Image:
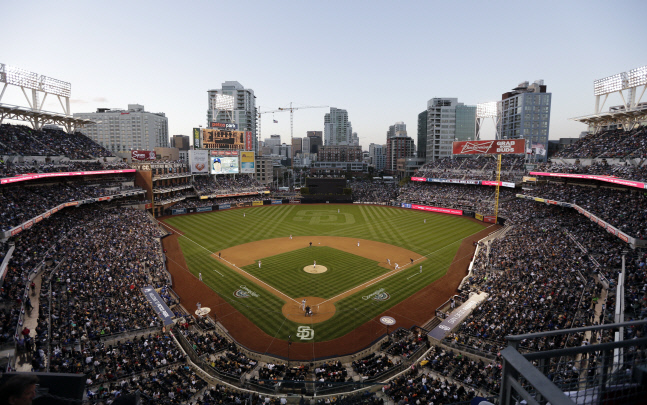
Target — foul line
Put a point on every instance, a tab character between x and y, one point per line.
267	286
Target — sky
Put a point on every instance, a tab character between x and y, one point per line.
379	60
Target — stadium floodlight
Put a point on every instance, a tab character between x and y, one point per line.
20	77
610	84
637	77
486	110
224	102
55	86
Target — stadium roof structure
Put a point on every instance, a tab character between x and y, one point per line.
39	118
632	113
627	118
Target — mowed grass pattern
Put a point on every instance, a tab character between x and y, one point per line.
437	239
345	271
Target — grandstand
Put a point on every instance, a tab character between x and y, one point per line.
81	244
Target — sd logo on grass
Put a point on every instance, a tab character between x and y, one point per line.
314	217
305	333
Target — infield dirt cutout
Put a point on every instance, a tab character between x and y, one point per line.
323	309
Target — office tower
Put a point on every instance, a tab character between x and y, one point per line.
123	130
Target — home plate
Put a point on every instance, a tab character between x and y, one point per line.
318	269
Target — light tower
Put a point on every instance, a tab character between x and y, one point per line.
483	111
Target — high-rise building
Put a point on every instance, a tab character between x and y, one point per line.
181	142
244	108
123	130
340	153
316	140
377	156
305	145
337	129
394	129
297	146
273	140
442	125
524	112
422	134
398	146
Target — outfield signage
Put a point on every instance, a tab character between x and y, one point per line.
457	316
65	174
497	147
158	305
224	206
461	181
437	209
277	201
203	209
178	211
607	179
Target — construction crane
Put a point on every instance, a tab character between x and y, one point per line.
291	109
283	109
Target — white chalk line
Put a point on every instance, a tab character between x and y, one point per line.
241	270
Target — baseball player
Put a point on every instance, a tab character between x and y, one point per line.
303	304
388	261
259	264
315	265
200	276
396	266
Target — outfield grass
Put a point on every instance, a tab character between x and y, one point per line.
437	239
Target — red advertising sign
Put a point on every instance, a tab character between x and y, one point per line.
143	155
490	219
38	219
418	179
47	214
623	236
33	176
500	146
607	179
27	225
249	140
437	209
16	231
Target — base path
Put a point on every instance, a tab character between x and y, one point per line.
415	310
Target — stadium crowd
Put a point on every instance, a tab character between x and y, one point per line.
20	140
373	191
602	168
609	144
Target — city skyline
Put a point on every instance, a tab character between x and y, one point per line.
168	56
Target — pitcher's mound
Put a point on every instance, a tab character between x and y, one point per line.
315	269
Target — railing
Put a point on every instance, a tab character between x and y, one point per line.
590	376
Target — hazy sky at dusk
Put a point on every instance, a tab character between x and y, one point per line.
380	60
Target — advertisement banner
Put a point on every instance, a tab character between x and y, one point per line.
529	179
16	230
607	179
203	209
479	217
224	125
437	209
196	138
38	219
27	225
224	165
71	203
277	202
158	305
178	211
199	161
457	316
493	183
501	146
418	179
490	218
224	153
143	155
406	205
256	203
539	199
47	214
63	174
249	140
224	206
247	162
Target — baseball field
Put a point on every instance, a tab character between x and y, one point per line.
350	263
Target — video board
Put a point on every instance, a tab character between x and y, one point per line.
224	165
